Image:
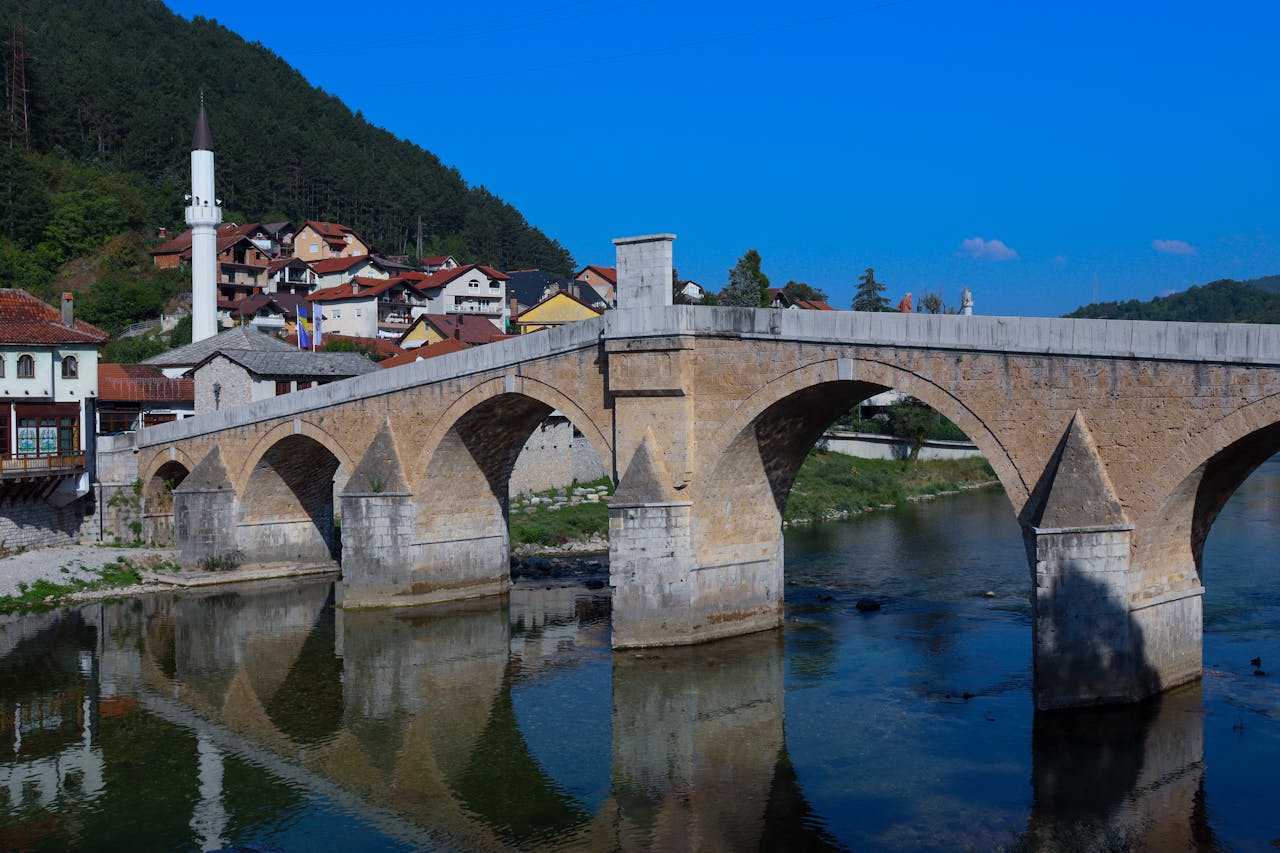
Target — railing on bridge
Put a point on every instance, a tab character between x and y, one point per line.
40	466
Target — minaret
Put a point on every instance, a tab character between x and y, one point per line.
204	216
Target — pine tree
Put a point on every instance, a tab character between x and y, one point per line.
870	293
748	285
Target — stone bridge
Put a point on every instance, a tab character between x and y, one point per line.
1117	443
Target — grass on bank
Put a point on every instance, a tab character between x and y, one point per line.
835	483
548	527
828	484
43	595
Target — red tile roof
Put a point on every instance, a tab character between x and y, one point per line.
814	305
468	328
332	265
382	347
26	320
358	288
443	277
434	260
229	233
430	351
609	274
134	383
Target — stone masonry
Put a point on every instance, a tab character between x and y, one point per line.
1117	444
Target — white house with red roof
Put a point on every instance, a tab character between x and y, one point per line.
471	289
370	307
48	388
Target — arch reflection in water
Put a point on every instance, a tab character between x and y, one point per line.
421	723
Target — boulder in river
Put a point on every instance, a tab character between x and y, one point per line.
867	605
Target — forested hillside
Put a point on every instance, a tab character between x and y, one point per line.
1223	301
112	93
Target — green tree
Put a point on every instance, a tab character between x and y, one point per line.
932	303
181	334
800	290
748	285
911	421
344	345
870	293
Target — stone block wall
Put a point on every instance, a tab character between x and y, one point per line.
36	524
555	457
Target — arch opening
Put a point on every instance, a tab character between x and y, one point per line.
286	510
157	495
741	505
493	459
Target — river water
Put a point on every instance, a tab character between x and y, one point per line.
264	719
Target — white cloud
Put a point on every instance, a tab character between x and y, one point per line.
1173	247
987	250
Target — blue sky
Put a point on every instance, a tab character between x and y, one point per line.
1038	153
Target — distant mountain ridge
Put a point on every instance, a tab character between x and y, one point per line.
114	88
1223	301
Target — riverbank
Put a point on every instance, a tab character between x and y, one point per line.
46	577
829	487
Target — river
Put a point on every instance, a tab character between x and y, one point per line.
264	719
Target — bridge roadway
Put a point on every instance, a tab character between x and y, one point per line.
1117	443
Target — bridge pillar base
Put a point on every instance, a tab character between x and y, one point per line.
204	524
663	597
382	565
1092	646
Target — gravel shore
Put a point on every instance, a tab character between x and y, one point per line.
82	561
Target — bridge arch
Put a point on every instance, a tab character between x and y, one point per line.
282	431
286	501
1195	486
810	397
163	474
472	449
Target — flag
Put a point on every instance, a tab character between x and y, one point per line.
304	339
319	316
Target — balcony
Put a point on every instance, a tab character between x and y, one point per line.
492	309
18	467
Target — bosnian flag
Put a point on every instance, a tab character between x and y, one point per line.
304	337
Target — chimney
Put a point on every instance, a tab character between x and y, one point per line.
162	233
68	309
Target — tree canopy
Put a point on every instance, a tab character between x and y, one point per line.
748	285
1223	301
870	293
800	290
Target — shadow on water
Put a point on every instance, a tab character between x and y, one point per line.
1120	777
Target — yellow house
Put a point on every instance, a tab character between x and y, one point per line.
430	329
556	310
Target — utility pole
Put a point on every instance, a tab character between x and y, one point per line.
419	255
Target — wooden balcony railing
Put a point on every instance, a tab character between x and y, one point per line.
36	466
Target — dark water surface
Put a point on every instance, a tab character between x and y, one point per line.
266	719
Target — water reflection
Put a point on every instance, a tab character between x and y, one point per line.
266	713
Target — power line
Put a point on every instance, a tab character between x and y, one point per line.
648	51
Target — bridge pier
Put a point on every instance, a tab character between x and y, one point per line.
204	513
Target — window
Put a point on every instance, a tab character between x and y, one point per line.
26	367
5	437
359	312
337	313
115	421
315	247
303	384
70	367
282	387
1	367
473	284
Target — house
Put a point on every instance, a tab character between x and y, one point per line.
233	377
316	241
48	387
444	347
335	272
274	313
556	310
603	279
243	254
691	291
428	329
470	289
779	299
176	362
291	275
435	263
133	396
280	235
370	307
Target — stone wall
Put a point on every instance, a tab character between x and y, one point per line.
36	524
555	456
